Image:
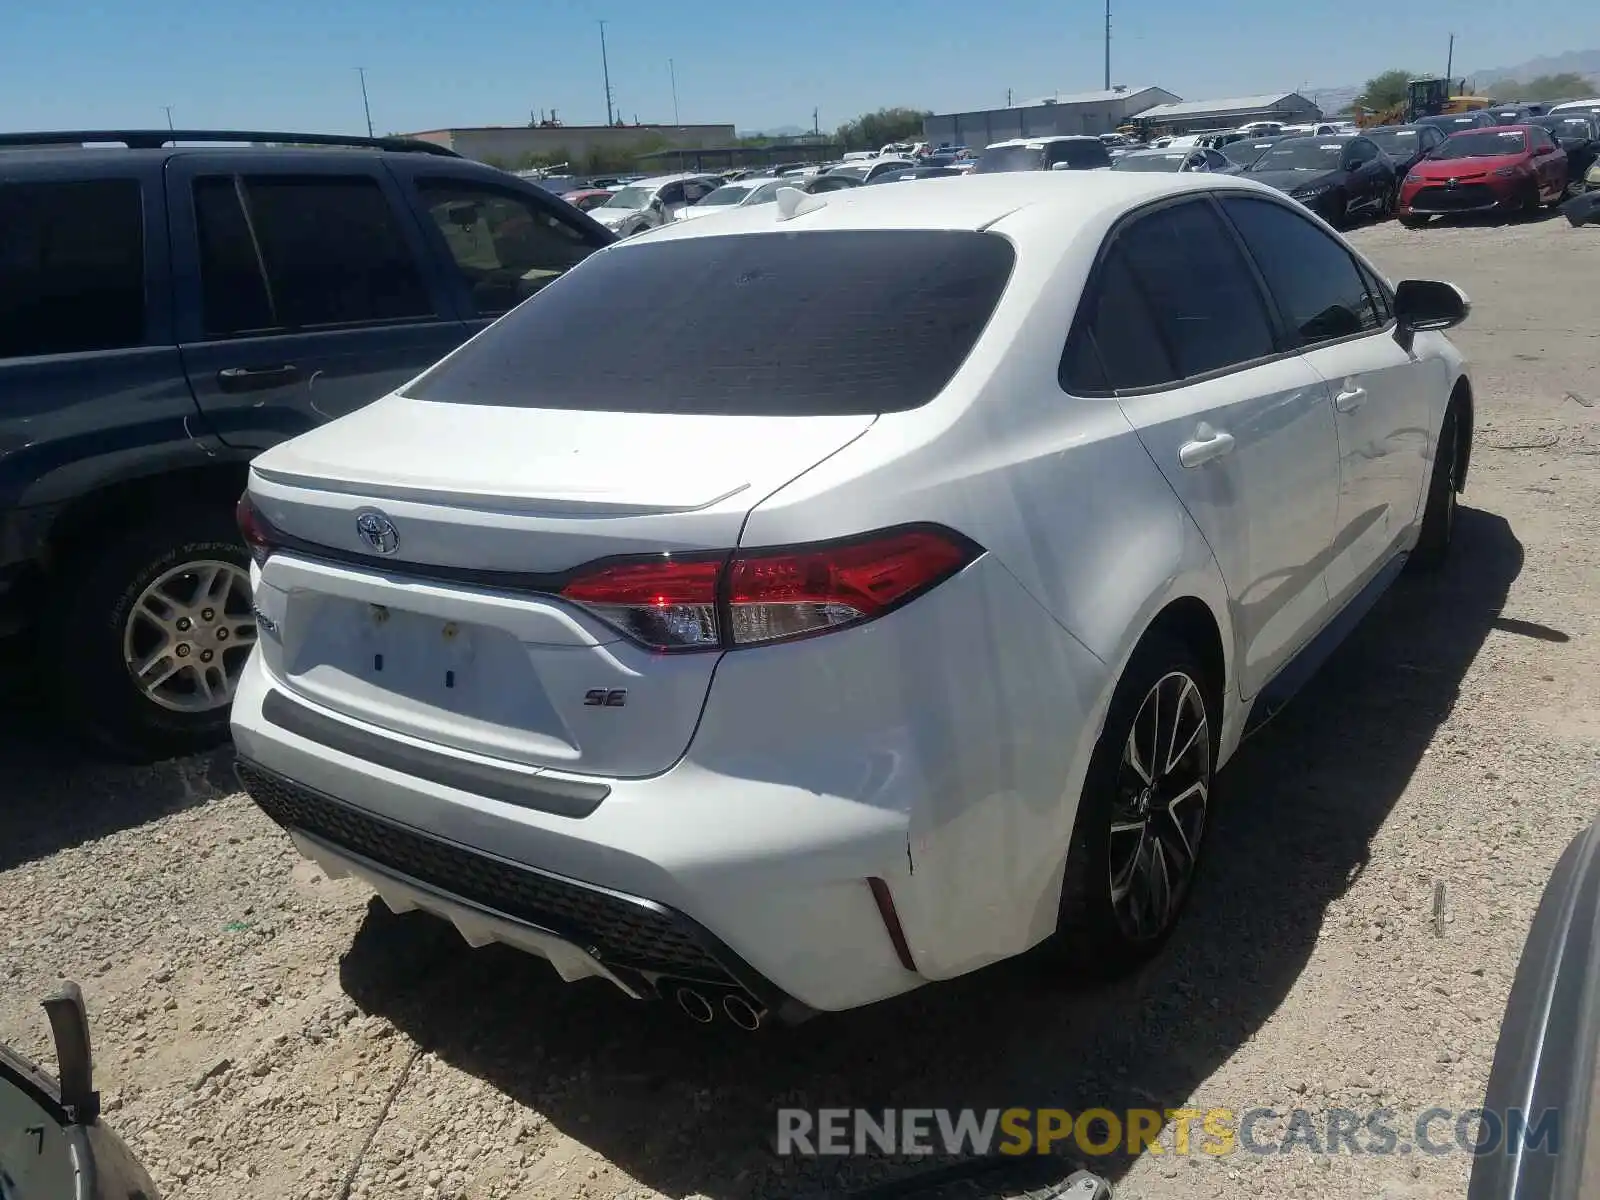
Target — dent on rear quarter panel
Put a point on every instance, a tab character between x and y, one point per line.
954	717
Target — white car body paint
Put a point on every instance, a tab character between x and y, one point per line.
941	748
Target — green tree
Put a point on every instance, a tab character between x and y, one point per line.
1384	90
874	129
1568	85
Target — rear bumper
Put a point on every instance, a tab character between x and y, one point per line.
815	768
641	947
614	894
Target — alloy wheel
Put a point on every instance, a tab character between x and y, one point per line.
1159	811
188	635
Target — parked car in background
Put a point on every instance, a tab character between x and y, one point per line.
624	650
167	312
1456	122
1509	169
652	202
1405	145
866	172
1241	155
760	190
588	198
919	173
1511	114
1171	160
1338	178
558	185
1591	105
1579	135
1072	153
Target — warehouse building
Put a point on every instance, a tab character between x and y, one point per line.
1045	116
1192	116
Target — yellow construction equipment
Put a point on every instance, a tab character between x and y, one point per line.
1424	98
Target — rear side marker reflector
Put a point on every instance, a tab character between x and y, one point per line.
755	597
891	922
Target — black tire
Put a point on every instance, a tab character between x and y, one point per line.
89	618
1439	512
1336	211
1093	935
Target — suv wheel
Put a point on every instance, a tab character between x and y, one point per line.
150	638
1143	814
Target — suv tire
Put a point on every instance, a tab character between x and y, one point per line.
1097	931
138	599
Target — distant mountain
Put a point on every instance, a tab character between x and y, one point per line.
1580	62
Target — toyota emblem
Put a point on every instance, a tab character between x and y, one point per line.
378	532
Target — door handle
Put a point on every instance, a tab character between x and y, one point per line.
1207	444
256	379
1350	399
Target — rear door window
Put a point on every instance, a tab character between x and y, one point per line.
71	267
769	324
284	252
505	246
1198	287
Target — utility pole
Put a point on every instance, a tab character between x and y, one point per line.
605	68
816	122
168	107
672	71
365	107
1450	59
1108	45
1008	97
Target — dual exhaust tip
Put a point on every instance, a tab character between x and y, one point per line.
702	1009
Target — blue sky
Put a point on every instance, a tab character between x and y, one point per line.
289	64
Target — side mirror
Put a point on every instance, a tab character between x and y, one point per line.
1421	304
1541	151
1061	166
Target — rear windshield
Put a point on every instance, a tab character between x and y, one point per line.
773	324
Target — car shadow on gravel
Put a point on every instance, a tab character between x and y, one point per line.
56	793
691	1109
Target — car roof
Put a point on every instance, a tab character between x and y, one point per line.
1043	141
1163	151
971	202
655	181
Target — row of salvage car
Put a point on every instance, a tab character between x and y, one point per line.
1420	171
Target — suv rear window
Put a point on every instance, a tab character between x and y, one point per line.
772	324
71	267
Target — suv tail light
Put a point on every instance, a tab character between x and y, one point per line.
259	533
756	597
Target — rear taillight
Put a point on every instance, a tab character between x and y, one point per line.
258	532
670	604
755	597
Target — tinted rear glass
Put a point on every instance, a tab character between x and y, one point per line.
779	324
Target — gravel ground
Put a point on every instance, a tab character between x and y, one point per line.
254	1019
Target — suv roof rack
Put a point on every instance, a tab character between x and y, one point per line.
154	139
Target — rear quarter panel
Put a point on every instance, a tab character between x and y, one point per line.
1068	504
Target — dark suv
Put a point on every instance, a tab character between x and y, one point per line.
169	306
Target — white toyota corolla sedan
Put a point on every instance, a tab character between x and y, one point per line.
778	613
